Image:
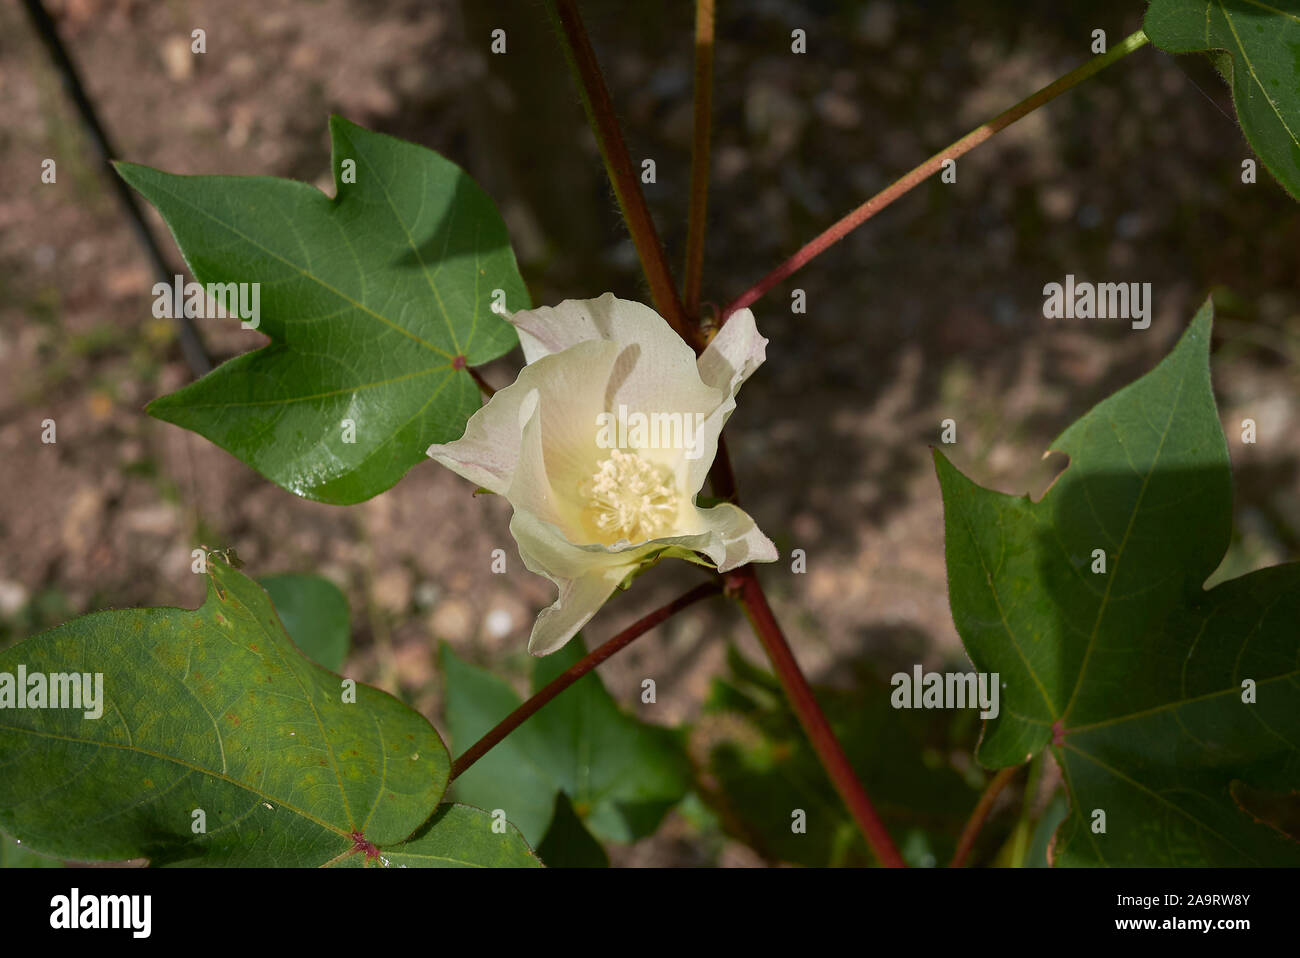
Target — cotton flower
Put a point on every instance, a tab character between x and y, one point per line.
602	444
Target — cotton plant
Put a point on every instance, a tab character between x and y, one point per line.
590	512
229	735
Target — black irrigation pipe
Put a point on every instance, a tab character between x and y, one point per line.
191	344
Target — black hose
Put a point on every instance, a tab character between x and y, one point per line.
191	344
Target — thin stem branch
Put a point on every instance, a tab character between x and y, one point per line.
618	164
927	169
980	814
577	671
627	189
744	584
697	217
1022	834
483	386
191	343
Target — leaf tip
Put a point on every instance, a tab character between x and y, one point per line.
944	468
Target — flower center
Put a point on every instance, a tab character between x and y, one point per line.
629	498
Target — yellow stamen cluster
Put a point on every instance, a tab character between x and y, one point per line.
629	498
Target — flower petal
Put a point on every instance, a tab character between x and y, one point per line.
539	440
655	374
554	447
734	354
569	393
696	466
729	537
585	576
578	601
552	329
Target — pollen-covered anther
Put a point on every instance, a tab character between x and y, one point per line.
630	498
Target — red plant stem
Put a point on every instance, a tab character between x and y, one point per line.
927	169
618	164
697	216
577	671
744	584
604	123
980	814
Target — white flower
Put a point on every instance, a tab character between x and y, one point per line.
602	444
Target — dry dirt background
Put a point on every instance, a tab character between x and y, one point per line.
932	310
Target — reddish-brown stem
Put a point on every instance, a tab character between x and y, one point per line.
577	671
696	218
618	164
980	814
743	583
927	169
483	386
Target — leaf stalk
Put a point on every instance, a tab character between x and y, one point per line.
576	671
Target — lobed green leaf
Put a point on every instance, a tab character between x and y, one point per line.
1158	698
374	301
1261	66
209	717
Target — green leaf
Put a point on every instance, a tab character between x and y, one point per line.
314	612
370	299
15	855
764	769
1262	66
457	836
212	710
621	774
568	844
1134	676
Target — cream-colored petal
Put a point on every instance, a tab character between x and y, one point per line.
578	601
659	374
530	485
695	468
725	364
585	576
569	390
736	351
547	551
488	451
654	378
728	536
538	443
555	455
552	329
